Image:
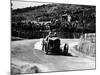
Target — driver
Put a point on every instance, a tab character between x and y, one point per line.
48	36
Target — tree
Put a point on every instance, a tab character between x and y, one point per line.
18	18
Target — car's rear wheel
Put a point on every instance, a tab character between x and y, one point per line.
47	53
65	52
46	48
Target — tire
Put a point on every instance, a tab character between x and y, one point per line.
47	53
65	52
46	49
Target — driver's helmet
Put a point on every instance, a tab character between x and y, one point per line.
49	33
55	33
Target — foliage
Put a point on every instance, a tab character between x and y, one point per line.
83	18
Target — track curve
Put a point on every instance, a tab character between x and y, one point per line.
29	51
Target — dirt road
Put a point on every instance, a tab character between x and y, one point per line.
27	53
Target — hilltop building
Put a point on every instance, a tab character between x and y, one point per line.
66	17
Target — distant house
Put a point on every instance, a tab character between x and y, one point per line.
66	17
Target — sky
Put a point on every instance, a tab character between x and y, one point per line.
23	4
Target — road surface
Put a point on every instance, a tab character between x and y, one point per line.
27	54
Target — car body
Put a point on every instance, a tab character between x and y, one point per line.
53	46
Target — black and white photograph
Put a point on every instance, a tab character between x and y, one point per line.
52	37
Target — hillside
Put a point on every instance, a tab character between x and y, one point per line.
53	11
31	20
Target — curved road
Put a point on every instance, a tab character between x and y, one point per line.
27	53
